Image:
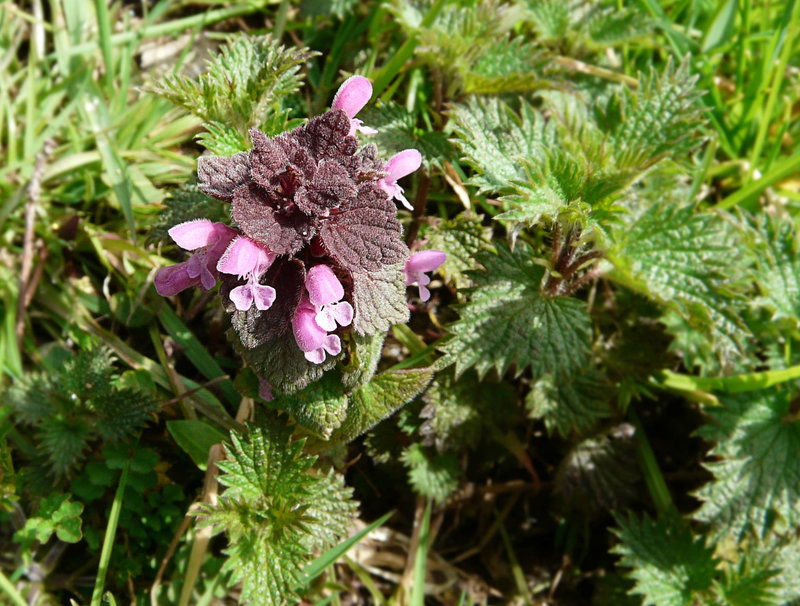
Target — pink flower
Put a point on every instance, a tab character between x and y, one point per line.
319	312
351	97
208	240
246	259
402	164
419	263
326	293
310	337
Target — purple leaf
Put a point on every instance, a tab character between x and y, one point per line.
220	176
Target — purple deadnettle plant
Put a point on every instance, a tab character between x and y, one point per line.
316	251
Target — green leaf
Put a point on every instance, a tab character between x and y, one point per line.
550	18
383	395
379	300
431	475
498	143
243	86
195	438
570	402
756	486
680	257
397	131
281	363
276	513
669	565
507	66
660	119
320	407
56	514
722	27
596	475
457	411
462	238
365	354
778	265
508	321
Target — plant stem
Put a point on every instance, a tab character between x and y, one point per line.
652	473
108	541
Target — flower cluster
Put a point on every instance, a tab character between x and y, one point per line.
317	249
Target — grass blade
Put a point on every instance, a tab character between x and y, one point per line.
108	541
315	568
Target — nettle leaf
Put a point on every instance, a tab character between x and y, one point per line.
243	85
756	486
497	143
462	239
383	395
550	18
365	354
680	257
379	299
431	475
320	407
397	131
507	320
667	563
281	363
596	475
573	401
507	66
778	265
659	119
276	512
457	411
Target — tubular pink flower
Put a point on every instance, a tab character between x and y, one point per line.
419	263
246	259
401	164
352	96
313	340
208	240
325	293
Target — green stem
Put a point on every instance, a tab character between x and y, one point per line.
652	473
10	591
108	541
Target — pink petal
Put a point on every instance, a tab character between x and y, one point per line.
194	234
207	279
264	296
307	333
425	260
332	345
240	258
424	293
265	260
194	266
265	389
323	286
343	312
325	319
242	297
402	164
352	95
172	280
315	356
